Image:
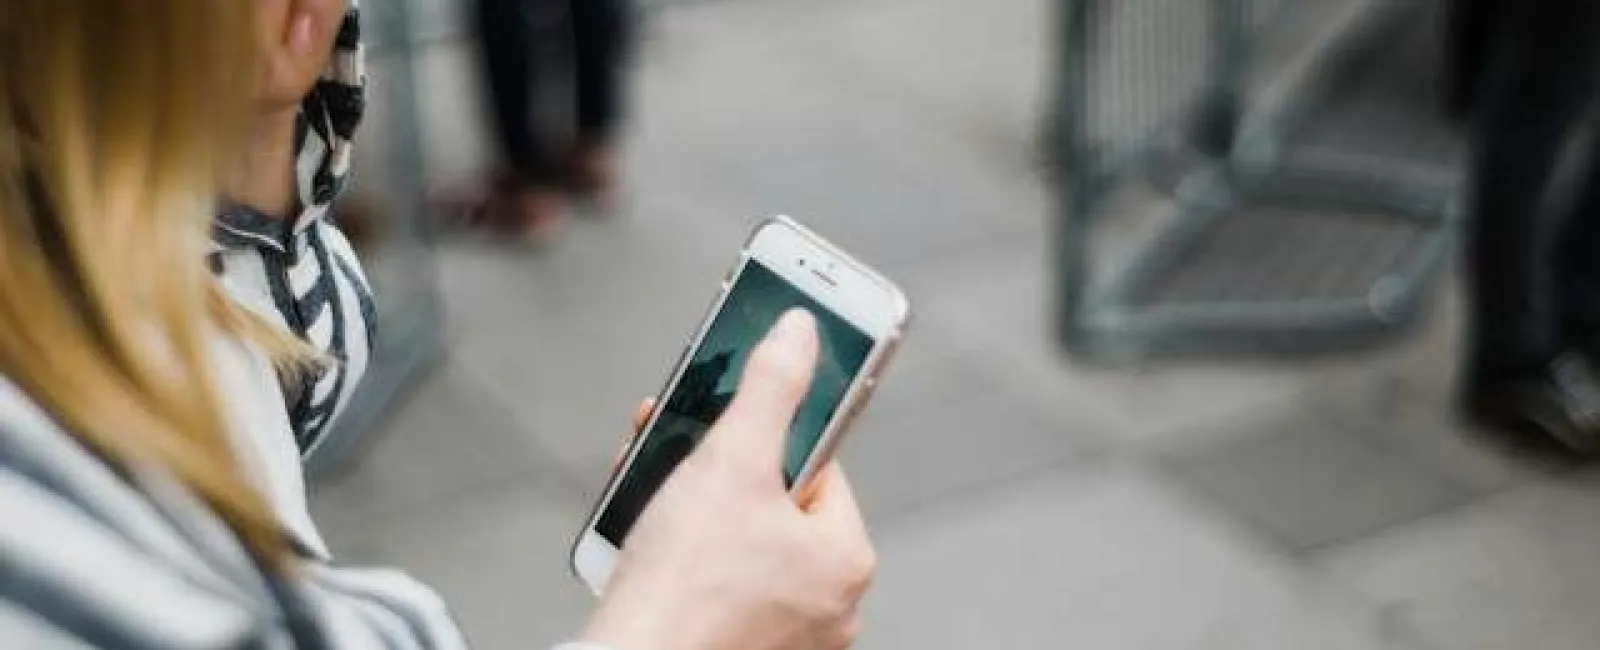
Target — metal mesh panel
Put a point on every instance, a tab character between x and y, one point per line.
1146	67
1277	254
1259	12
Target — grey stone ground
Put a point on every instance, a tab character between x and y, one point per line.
1018	500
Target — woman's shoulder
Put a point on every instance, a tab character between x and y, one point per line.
98	549
26	427
128	558
41	457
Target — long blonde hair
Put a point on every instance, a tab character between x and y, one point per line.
117	118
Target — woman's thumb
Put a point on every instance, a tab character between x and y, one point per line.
776	378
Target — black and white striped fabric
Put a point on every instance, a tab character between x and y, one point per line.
126	558
301	272
310	282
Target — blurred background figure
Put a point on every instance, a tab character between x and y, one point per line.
1530	363
1469	35
539	55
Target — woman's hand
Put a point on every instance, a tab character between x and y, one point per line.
724	558
641	417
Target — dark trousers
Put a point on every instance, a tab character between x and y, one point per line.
535	48
1533	270
1469	30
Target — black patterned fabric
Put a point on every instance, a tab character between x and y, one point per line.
303	264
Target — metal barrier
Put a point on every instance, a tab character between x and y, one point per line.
1193	221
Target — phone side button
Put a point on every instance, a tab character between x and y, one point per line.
867	386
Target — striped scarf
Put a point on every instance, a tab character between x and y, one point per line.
307	265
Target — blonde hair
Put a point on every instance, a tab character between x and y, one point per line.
117	118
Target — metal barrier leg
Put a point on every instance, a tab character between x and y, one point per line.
1071	175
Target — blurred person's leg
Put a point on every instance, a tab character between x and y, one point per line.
602	35
1468	38
1536	91
526	193
1578	276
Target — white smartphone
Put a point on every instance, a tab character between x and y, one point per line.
860	316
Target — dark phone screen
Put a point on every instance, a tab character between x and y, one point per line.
757	299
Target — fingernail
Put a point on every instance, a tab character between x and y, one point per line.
300	33
795	322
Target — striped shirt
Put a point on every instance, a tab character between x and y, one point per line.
300	272
100	556
93	556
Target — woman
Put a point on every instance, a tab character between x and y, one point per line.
132	500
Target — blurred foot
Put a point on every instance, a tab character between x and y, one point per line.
592	172
1557	411
509	207
537	213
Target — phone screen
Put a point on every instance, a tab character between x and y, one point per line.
756	300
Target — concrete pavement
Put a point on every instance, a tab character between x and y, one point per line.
1018	500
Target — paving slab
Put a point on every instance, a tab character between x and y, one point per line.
1515	572
498	558
1407	395
937	429
1109	561
446	440
998	309
995	470
570	341
1304	481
